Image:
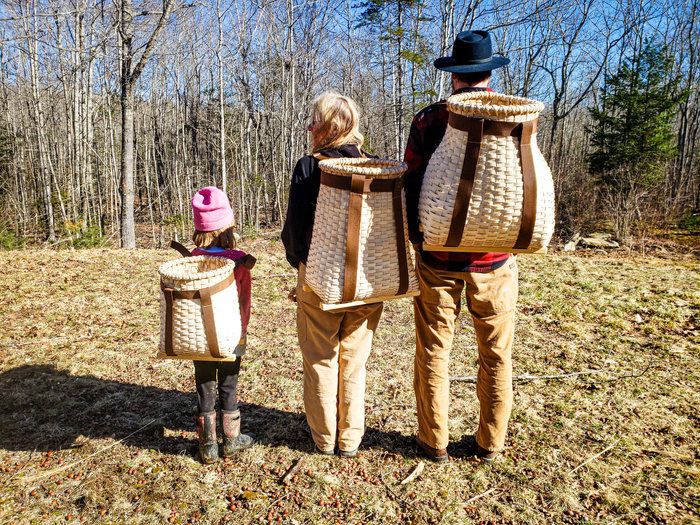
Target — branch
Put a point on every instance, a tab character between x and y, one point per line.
293	470
595	456
414	473
151	42
479	496
529	377
48	473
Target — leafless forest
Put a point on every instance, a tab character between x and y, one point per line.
114	112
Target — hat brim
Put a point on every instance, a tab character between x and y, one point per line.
453	66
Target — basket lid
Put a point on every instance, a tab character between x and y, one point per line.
381	168
494	106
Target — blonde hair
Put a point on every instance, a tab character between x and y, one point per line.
336	122
223	238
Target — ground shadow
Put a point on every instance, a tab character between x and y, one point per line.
43	408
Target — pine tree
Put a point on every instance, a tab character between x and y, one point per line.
633	130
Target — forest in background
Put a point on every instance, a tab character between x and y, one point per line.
114	113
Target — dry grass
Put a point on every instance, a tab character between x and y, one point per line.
78	374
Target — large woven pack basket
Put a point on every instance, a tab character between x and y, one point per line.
200	316
359	246
487	187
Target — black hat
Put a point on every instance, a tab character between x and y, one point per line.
471	53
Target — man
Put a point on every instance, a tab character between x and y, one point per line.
490	282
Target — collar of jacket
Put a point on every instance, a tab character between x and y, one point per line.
346	150
470	88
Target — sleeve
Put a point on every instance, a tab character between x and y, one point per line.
300	213
413	179
243	280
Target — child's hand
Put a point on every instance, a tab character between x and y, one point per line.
292	295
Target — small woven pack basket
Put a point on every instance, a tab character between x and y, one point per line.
359	246
487	187
200	316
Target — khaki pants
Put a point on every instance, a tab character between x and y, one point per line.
335	346
491	299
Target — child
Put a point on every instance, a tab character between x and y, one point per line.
214	236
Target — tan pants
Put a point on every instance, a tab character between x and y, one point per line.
335	346
491	299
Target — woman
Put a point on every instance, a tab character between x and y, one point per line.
335	345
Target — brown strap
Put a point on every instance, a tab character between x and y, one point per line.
180	248
369	184
209	324
204	296
496	128
527	166
397	202
352	242
197	294
475	131
247	261
168	294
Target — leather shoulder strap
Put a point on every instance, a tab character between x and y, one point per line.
180	248
247	261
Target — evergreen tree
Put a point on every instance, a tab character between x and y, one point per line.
633	130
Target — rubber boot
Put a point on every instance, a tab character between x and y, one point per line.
206	432
233	439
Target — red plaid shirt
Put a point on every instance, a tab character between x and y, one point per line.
426	133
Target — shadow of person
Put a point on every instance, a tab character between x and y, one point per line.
44	408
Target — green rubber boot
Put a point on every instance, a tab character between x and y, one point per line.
206	432
233	439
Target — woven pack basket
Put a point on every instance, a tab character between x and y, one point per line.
359	247
487	187
200	317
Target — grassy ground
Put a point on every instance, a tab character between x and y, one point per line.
94	429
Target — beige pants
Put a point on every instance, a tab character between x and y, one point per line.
491	299
335	346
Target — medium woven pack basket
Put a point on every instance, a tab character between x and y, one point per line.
487	187
200	316
359	246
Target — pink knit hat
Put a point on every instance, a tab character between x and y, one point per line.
211	210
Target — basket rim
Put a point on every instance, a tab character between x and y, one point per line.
493	104
169	269
363	166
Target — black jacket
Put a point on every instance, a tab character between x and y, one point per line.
301	208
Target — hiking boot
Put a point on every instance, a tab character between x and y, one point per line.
323	452
479	452
439	455
348	453
206	433
233	439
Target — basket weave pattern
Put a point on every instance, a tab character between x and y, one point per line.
495	209
378	257
188	331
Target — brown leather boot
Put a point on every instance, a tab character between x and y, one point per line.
233	439
439	455
206	432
